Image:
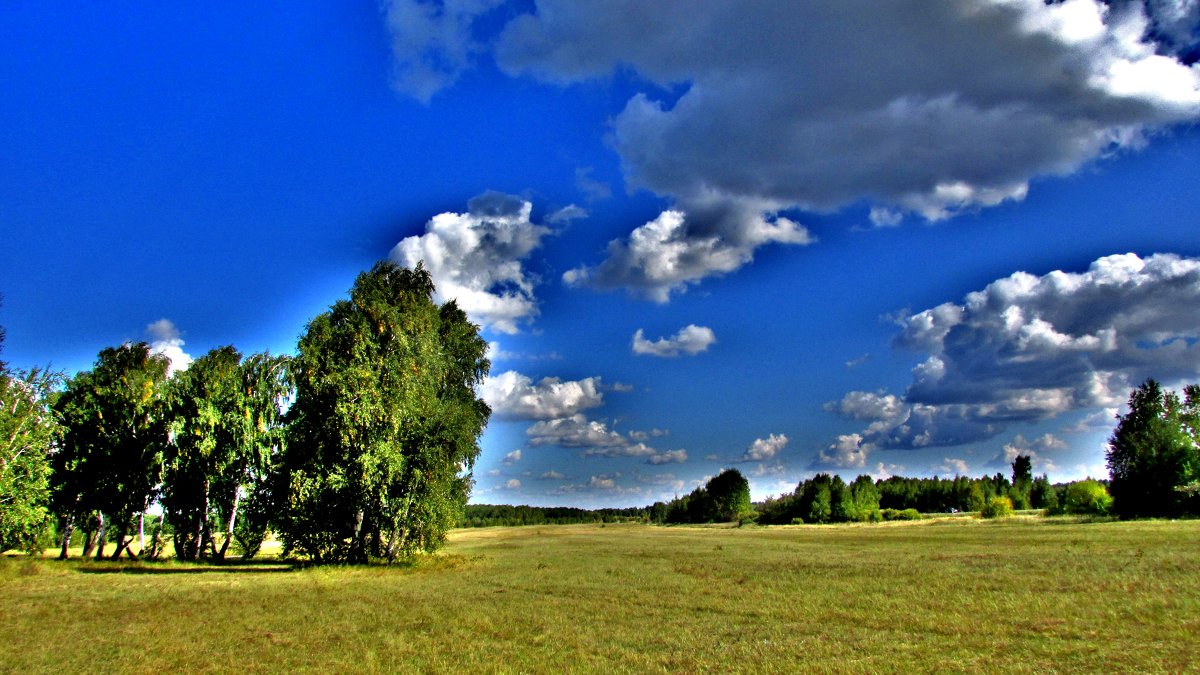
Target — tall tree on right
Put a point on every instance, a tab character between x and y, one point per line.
1153	451
384	429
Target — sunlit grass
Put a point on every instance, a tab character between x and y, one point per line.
961	594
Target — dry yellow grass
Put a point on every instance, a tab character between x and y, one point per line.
1023	595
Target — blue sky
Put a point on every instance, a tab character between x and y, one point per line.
914	238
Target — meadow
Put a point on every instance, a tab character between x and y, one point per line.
1019	595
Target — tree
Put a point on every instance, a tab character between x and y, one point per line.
729	494
1154	450
225	426
28	433
114	437
384	430
1042	494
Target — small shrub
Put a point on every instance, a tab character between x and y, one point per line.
997	507
1087	498
897	514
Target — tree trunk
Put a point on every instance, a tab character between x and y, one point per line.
68	529
89	537
142	531
237	496
203	524
101	533
123	540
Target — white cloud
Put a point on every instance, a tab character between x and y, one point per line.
603	482
850	451
512	457
1042	451
788	105
515	396
475	258
1027	348
512	484
974	99
690	340
576	431
679	248
668	457
566	214
432	42
552	475
166	340
954	467
883	217
763	449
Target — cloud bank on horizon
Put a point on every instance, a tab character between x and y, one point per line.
1028	348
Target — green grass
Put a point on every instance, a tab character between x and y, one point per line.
1024	594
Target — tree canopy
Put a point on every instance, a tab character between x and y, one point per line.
384	430
1154	450
114	438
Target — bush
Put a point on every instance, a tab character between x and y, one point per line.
1088	498
997	507
897	514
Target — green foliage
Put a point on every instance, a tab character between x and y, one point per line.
226	427
114	438
900	514
1042	494
729	492
1087	497
383	432
997	507
1154	449
29	431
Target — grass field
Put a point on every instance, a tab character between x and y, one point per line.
1026	594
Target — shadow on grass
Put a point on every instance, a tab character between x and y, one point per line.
173	567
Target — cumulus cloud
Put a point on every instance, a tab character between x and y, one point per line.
577	431
552	475
668	457
512	395
679	248
512	484
1028	348
849	451
1041	451
953	466
763	449
476	258
751	109
596	439
512	457
974	98
166	339
690	340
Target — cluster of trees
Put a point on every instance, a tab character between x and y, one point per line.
359	447
1154	454
724	498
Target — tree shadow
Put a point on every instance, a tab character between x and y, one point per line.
175	567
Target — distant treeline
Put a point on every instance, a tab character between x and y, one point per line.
492	515
820	499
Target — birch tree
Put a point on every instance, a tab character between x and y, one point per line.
384	430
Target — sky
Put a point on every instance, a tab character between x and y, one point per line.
904	238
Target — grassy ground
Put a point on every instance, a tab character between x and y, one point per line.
960	595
